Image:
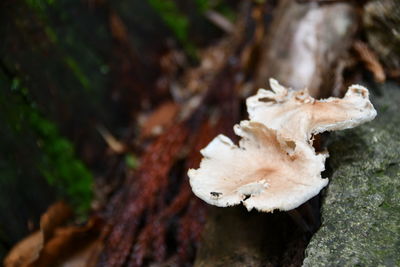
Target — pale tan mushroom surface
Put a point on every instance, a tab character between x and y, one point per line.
298	115
275	166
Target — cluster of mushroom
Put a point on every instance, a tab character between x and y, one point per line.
275	165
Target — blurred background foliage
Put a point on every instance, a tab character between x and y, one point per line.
66	67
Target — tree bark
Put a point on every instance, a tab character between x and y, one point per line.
361	206
302	49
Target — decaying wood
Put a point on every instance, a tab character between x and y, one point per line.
302	49
305	44
146	198
154	217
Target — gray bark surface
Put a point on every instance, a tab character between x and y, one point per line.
361	206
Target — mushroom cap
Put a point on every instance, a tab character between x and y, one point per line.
275	165
297	115
264	172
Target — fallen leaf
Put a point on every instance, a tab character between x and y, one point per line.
67	242
370	60
55	244
118	29
25	252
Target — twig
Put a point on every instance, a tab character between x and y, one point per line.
220	21
370	60
115	145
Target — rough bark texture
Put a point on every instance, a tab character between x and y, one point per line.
381	21
63	73
361	207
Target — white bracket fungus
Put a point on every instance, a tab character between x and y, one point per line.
275	165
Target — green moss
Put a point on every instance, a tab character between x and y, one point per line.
176	21
131	161
72	64
171	15
52	155
59	164
220	6
227	12
39	4
51	34
42	8
203	5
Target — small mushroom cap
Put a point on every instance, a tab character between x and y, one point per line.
275	165
264	172
297	115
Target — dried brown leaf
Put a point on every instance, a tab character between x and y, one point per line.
56	215
54	244
370	60
28	250
118	29
66	242
25	252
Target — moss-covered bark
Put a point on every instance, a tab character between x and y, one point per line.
37	164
